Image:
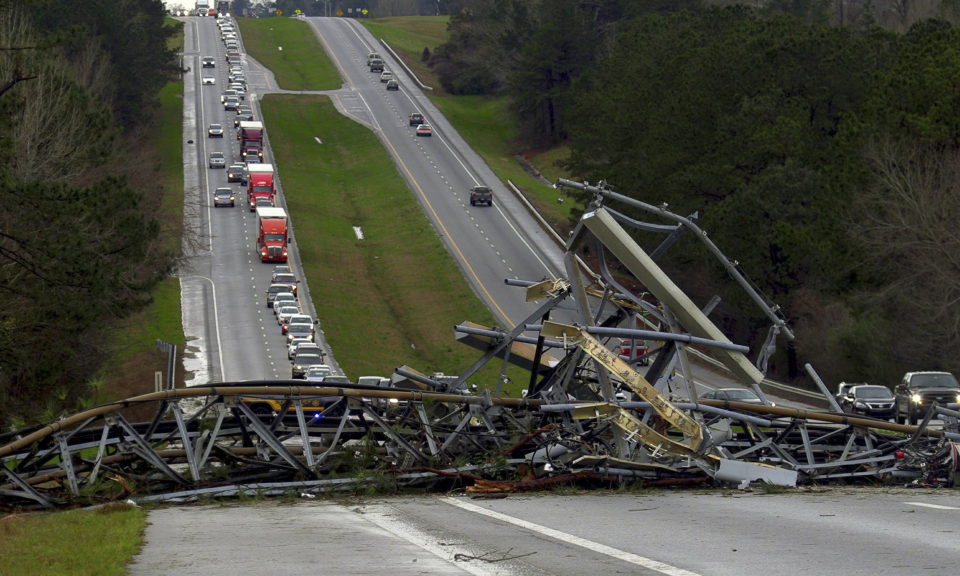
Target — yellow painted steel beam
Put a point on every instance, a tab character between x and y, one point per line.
612	362
619	242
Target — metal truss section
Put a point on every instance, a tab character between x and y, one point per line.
589	414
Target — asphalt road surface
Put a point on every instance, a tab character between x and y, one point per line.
849	532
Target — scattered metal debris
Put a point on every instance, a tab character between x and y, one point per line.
589	415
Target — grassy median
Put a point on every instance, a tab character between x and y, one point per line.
301	64
394	297
484	122
79	542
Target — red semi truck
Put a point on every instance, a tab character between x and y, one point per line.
260	184
272	235
251	138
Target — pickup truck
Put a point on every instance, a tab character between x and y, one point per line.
376	65
481	195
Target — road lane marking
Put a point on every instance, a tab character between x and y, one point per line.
635	559
935	506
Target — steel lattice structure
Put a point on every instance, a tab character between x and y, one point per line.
589	413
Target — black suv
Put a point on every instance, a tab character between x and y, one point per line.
416	119
918	390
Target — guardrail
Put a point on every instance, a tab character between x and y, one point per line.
405	67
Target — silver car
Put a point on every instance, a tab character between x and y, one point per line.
217	160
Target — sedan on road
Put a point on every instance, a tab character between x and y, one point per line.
286	278
299	331
386	75
733	395
231	103
209	80
286	312
424	130
318	373
215	131
292	346
223	197
209	62
393	85
217	160
874	401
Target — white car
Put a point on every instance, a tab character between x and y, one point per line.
286	312
209	80
386	75
317	372
282	297
292	347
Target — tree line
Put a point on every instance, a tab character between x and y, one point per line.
80	242
822	157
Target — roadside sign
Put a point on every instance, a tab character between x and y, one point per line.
279	12
364	11
349	10
297	10
339	12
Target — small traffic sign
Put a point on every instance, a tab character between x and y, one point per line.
339	12
364	11
297	10
279	12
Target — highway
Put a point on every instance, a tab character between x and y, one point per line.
854	532
231	334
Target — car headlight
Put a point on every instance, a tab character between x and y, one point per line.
916	398
958	398
859	404
394	401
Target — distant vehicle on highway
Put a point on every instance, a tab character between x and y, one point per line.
286	278
386	75
844	388
376	65
237	173
733	395
292	346
272	292
918	390
209	62
215	131
424	130
331	379
223	197
231	103
318	373
207	80
302	361
373	56
297	320
393	85
217	160
416	118
282	269
299	331
286	312
283	297
242	117
642	347
873	401
481	195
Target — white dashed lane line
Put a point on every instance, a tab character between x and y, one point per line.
934	506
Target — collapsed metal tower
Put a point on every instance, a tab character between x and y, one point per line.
589	414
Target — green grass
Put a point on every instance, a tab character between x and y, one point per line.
388	300
302	64
409	35
175	43
484	122
79	542
169	142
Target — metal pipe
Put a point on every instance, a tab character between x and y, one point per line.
520	283
681	405
264	389
495	334
770	311
823	388
653	335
